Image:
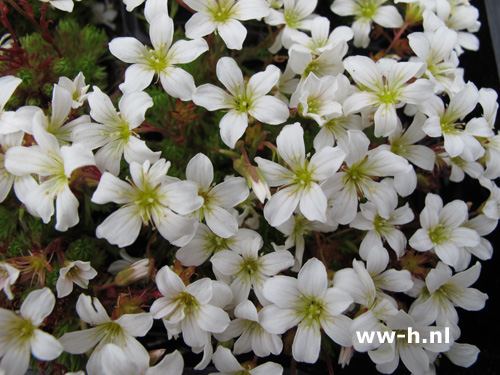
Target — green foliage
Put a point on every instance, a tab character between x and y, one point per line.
86	250
8	223
18	246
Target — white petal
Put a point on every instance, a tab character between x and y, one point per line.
66	210
230	75
281	205
277	320
121	227
269	110
212	97
38	305
233	33
307	343
127	49
45	346
232	127
200	24
178	83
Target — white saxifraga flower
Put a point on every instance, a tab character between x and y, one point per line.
20	333
380	228
8	84
385	88
443	291
77	272
64	5
415	355
296	14
114	133
8	276
151	196
76	88
23	185
245	98
309	303
225	362
224	16
316	98
121	332
252	336
205	243
459	138
247	269
365	12
54	165
218	199
115	361
356	178
161	60
436	50
188	308
443	231
300	183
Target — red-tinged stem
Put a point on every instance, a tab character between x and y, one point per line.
328	362
397	37
43	30
182	4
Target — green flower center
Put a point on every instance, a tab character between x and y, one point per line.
222	11
292	18
438	234
311	309
157	59
189	302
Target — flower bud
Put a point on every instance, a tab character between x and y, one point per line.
132	273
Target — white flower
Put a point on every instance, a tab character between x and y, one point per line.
23	185
54	165
252	336
415	355
74	272
436	50
205	243
114	134
316	98
385	87
104	13
114	361
443	231
188	308
121	332
379	228
301	182
8	276
224	16
225	362
247	269
149	197
365	12
244	99
160	60
218	199
443	291
65	5
8	84
296	14
355	179
20	333
76	88
459	138
310	304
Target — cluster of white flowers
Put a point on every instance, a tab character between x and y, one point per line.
378	128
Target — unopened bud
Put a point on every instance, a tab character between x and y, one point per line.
136	271
346	353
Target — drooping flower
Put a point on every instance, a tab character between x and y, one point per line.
8	276
76	272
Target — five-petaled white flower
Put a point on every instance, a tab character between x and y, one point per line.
301	182
77	272
151	196
160	60
308	302
244	99
224	16
20	333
